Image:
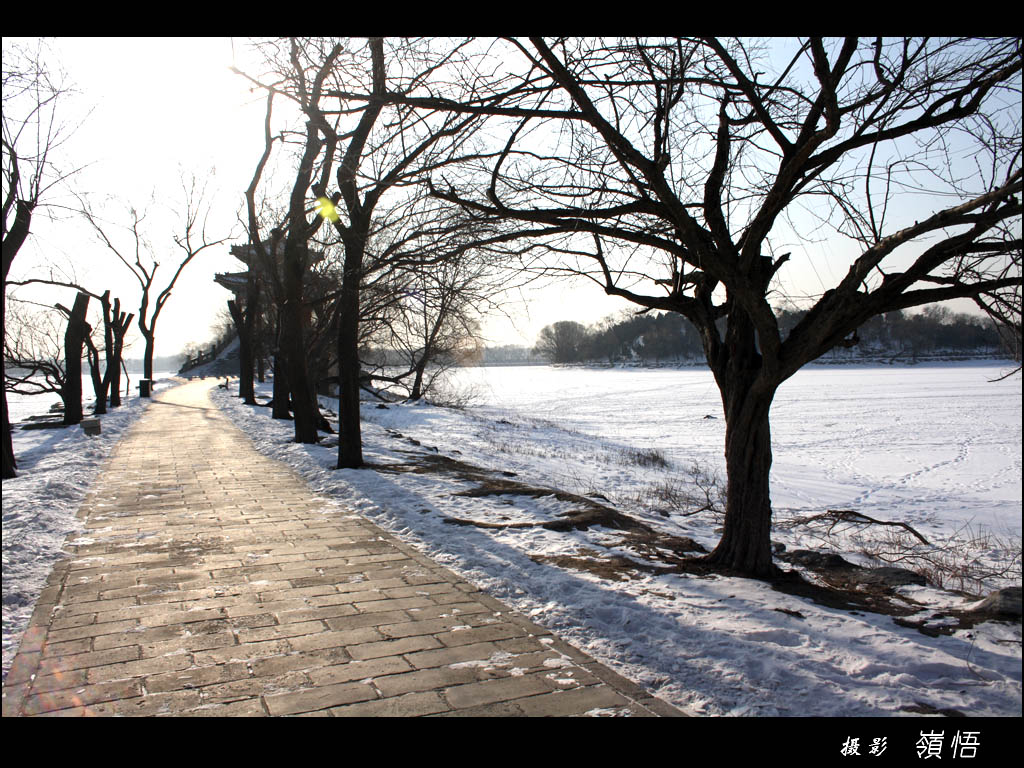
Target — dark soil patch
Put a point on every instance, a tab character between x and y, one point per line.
846	596
585	513
44	425
614	567
794	614
852	587
921	708
844	586
943	626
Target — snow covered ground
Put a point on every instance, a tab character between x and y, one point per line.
55	469
936	447
932	445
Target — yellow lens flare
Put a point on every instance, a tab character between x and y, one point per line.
326	209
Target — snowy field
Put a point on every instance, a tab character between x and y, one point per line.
937	447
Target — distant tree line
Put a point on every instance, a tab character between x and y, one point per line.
510	354
667	337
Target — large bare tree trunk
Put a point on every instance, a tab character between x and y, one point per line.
746	544
259	347
293	344
74	341
147	363
108	353
12	242
99	382
747	394
350	439
10	466
245	324
116	326
417	383
304	407
111	376
282	395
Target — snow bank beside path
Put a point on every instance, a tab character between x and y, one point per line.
56	468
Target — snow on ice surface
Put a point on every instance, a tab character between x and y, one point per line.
934	446
942	440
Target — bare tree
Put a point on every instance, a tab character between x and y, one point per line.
142	258
74	342
283	255
33	350
116	323
32	91
430	323
378	155
700	168
47	357
244	314
106	385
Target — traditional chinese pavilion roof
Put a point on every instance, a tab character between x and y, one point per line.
235	282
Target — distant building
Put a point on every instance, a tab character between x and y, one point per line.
238	284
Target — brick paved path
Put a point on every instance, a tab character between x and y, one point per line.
211	581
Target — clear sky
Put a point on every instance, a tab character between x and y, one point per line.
145	113
148	111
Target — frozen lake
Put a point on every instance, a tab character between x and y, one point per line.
23	406
922	444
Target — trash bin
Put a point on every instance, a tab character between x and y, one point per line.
145	385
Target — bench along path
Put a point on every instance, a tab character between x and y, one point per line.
210	580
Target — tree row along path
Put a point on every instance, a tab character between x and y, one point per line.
210	580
